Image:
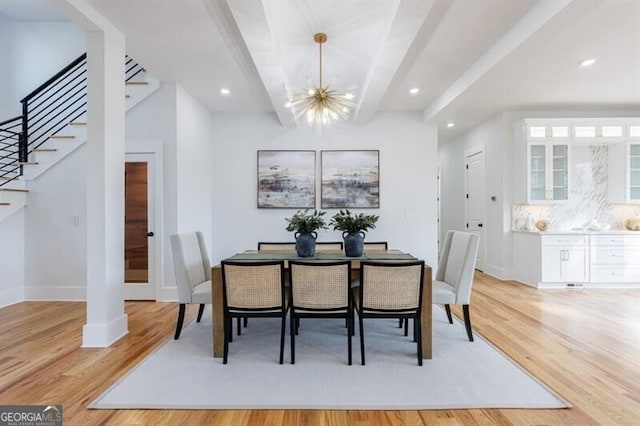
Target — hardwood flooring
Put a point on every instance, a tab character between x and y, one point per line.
584	344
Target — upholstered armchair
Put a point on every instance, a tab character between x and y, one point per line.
193	273
455	274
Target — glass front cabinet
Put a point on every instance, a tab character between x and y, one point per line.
548	178
543	150
624	168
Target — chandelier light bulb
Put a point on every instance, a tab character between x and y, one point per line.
321	105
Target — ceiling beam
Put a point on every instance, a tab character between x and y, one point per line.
251	19
405	26
544	18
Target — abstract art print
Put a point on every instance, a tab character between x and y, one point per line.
350	179
286	179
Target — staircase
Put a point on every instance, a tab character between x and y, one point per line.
53	125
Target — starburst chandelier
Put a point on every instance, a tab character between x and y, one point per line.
320	105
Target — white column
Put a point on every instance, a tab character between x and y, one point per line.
106	320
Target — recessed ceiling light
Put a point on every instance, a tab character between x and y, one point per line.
414	90
588	62
450	124
225	91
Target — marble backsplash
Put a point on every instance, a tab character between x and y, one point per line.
587	200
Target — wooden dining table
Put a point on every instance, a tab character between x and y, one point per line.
378	256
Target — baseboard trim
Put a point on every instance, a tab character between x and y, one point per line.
498	272
11	296
71	294
103	335
167	294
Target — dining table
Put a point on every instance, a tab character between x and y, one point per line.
392	255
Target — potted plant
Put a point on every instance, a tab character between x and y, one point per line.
353	227
305	224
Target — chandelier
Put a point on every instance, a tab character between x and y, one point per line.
320	105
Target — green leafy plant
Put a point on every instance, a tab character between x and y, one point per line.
344	220
306	221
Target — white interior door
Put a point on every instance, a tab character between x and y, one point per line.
139	224
475	211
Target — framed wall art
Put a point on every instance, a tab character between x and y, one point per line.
286	179
350	179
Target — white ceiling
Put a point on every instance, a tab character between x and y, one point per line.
471	59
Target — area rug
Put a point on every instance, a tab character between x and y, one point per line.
182	374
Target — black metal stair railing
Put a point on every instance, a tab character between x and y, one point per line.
10	138
55	103
46	111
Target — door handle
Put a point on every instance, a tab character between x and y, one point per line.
150	234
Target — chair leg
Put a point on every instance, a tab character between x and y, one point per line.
239	325
448	309
467	321
349	333
415	330
297	325
418	332
406	326
227	332
292	331
399	322
246	322
200	312
180	321
361	339
282	331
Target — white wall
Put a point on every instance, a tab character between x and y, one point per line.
6	75
55	247
32	53
408	168
12	249
195	176
153	122
493	138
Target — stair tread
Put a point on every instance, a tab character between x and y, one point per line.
78	123
45	150
4	203
14	190
28	163
135	83
9	178
62	136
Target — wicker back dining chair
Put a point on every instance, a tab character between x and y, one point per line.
277	246
375	246
329	246
253	289
271	246
320	290
391	290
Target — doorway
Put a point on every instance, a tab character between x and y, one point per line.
474	206
139	247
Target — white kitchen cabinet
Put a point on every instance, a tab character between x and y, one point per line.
543	149
624	172
615	258
565	259
548	167
589	260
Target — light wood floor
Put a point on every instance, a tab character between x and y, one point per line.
584	344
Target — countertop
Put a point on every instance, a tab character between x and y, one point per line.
579	232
